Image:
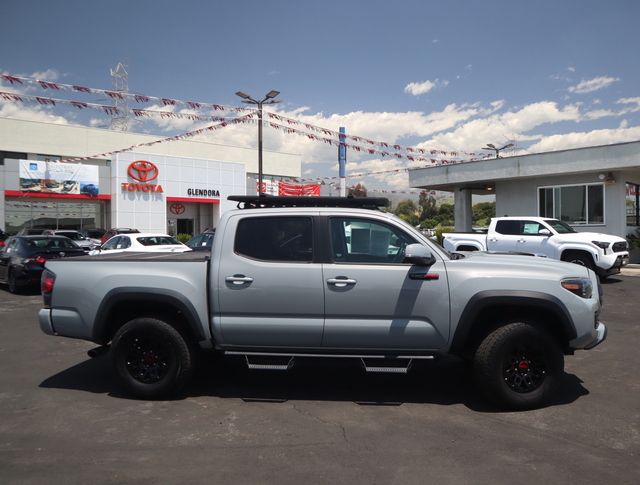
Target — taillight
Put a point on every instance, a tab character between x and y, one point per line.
47	281
37	259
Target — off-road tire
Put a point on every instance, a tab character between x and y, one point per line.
151	359
581	259
519	366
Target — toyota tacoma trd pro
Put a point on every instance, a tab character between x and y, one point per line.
300	277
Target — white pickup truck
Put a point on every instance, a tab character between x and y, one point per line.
551	238
306	277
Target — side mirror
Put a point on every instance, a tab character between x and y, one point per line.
418	255
544	232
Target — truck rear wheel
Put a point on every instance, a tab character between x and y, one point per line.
519	366
151	359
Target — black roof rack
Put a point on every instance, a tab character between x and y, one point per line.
255	201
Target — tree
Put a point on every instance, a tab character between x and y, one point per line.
482	213
358	191
407	207
428	205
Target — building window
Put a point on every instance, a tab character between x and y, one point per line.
50	214
633	205
14	155
573	204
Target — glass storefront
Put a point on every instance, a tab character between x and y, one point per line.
53	214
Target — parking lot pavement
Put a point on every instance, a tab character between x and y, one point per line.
65	421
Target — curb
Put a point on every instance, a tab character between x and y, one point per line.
631	270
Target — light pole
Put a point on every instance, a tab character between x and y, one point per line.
491	146
268	99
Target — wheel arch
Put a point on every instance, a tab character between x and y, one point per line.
568	252
488	310
468	247
123	304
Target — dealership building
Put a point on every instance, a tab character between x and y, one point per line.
594	189
62	176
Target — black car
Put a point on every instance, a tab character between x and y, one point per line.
3	237
22	258
201	242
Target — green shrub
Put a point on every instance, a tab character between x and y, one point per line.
183	238
437	233
634	240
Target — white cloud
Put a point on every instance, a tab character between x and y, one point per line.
586	139
421	88
593	84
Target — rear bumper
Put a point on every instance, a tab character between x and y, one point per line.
44	316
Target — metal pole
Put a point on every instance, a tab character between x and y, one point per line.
259	148
342	163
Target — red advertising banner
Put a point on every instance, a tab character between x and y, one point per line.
288	189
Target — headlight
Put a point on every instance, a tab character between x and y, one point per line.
583	287
601	244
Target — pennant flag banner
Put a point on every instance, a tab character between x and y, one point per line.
140	98
279	122
110	110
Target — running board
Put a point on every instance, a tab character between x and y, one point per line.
265	364
394	369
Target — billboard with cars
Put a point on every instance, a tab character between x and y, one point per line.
59	178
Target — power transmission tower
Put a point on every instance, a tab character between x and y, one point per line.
120	82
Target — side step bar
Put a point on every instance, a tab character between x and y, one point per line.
400	368
399	364
264	364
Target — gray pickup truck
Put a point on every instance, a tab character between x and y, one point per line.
297	277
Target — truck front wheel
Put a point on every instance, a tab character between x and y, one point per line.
578	258
151	359
519	366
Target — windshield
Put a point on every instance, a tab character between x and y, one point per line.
74	236
157	240
47	243
559	226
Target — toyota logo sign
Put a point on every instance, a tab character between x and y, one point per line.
142	171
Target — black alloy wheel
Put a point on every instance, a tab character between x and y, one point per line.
519	365
151	358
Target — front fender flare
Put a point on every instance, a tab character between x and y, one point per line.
509	298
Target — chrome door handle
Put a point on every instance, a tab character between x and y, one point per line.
341	281
238	279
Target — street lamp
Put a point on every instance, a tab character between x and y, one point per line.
491	146
268	99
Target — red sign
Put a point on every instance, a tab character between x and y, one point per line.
285	188
142	171
177	209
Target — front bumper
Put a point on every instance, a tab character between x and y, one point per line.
601	330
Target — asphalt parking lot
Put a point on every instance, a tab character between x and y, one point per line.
64	420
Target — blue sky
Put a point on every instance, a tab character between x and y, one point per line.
449	75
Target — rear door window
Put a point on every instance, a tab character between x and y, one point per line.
275	238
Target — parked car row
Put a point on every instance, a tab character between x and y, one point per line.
22	257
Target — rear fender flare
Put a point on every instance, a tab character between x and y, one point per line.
102	329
